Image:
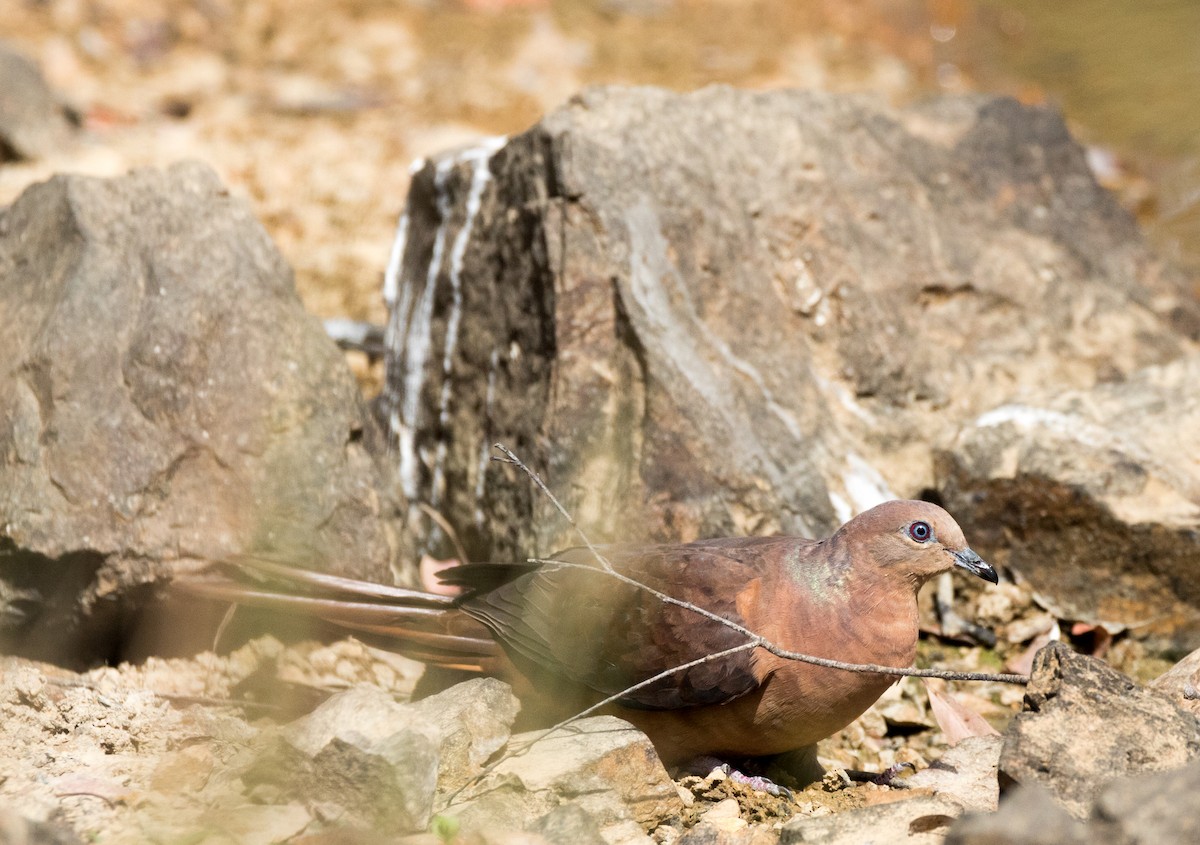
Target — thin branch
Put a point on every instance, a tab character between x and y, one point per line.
754	640
511	458
447	529
583	714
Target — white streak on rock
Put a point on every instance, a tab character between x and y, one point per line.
844	398
391	276
654	281
841	507
865	486
1028	417
485	445
417	340
479	158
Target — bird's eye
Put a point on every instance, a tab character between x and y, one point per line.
920	531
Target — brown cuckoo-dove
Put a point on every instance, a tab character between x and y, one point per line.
568	634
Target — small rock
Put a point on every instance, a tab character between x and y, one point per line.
725	816
1001	605
835	779
706	834
916	821
966	773
602	764
1085	723
362	750
253	824
364	715
569	824
1181	682
475	720
627	832
1027	627
32	121
717	775
185	770
1027	816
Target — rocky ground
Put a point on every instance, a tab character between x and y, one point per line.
161	752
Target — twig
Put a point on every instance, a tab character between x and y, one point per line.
447	528
511	458
583	714
754	640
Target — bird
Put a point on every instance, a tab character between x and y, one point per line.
592	624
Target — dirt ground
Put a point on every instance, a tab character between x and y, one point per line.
154	753
160	751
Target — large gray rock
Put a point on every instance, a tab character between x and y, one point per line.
1027	816
374	760
164	400
601	764
1090	495
732	312
1158	809
1149	809
1084	724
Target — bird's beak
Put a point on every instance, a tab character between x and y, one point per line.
973	563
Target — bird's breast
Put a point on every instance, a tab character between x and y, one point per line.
802	703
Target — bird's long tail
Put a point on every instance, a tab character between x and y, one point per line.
423	626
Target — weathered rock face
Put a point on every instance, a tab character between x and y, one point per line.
602	765
731	312
1084	724
1157	809
1092	495
164	400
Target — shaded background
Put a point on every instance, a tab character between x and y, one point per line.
313	109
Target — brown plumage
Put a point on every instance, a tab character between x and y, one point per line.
569	635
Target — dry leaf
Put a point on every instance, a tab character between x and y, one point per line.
955	720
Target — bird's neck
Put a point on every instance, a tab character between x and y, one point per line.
838	592
889	606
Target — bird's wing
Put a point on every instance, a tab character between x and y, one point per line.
581	623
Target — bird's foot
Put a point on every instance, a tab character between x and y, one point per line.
888	777
759	783
712	768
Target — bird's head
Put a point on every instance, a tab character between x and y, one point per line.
917	539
